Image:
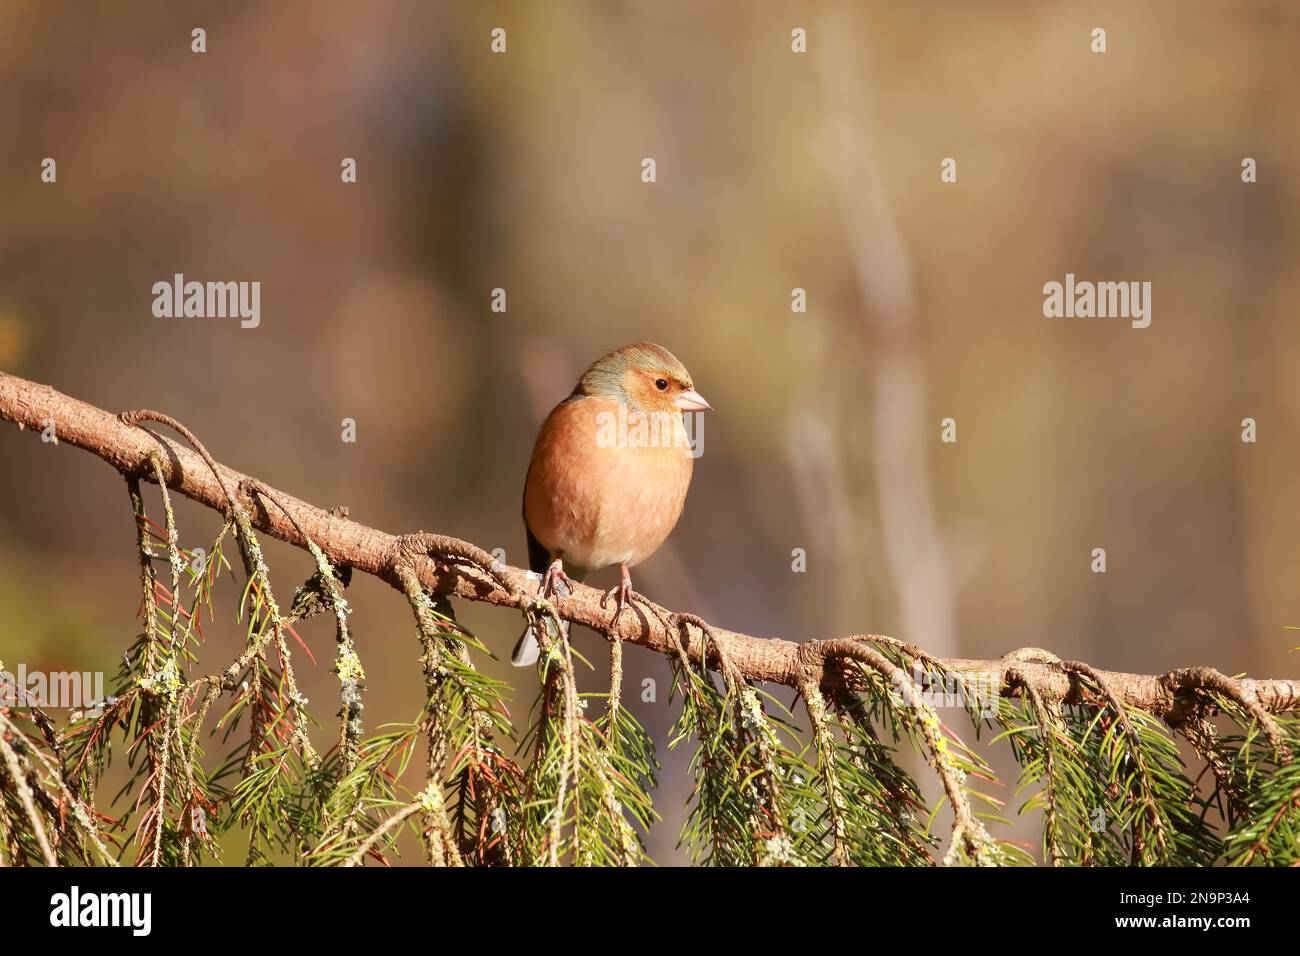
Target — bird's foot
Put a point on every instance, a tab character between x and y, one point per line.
622	594
555	576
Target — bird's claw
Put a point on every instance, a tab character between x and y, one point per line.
555	575
622	593
623	596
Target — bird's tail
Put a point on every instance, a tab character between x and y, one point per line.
528	648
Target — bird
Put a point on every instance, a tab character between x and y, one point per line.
609	472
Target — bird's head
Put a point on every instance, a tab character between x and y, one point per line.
645	376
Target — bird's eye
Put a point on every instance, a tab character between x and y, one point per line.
661	384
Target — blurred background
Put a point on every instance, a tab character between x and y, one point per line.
775	171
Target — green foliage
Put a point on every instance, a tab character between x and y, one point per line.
1258	792
838	784
1110	796
588	785
734	768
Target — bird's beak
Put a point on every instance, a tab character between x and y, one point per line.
692	401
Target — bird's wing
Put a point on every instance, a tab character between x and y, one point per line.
538	557
526	648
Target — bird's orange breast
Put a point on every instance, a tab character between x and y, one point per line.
605	487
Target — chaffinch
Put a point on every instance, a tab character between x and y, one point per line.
609	473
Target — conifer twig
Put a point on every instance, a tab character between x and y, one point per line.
461	570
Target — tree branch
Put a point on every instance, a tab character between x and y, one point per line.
458	569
